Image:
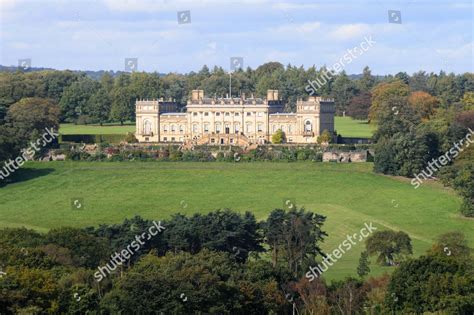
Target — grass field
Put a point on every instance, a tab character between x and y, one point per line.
106	129
344	125
349	127
348	194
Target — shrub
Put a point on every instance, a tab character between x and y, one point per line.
130	138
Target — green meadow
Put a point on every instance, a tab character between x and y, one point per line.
348	194
345	126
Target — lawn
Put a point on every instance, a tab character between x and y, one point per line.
348	127
348	194
106	129
345	126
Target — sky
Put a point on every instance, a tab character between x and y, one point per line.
99	34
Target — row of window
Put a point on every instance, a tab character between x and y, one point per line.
173	128
258	114
218	129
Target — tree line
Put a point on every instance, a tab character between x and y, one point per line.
414	130
224	262
111	98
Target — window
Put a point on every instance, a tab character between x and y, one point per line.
259	127
195	114
237	114
274	128
259	114
237	128
172	139
147	127
227	114
195	128
218	114
249	127
213	140
206	127
165	139
181	128
231	140
249	114
206	114
308	126
289	129
173	128
218	127
282	128
165	128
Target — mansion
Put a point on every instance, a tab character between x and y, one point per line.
232	121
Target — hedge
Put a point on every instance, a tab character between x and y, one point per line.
92	138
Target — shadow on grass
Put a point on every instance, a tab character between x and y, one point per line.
25	174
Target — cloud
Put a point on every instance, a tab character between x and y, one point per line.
350	31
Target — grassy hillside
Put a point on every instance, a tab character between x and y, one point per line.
348	194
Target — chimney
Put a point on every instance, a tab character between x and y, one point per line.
197	95
272	95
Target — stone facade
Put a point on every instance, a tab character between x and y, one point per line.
232	121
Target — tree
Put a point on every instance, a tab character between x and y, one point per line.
359	106
75	97
347	296
464	185
325	137
278	137
182	283
423	103
432	284
121	109
385	93
451	244
343	90
367	81
27	120
295	235
389	246
363	269
99	106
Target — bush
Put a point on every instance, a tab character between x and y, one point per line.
92	139
130	138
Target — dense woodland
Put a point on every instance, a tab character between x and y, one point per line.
225	263
111	98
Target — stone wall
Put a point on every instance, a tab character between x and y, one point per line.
345	157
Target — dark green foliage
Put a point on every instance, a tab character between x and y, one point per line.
389	246
91	139
432	283
295	235
86	250
363	269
